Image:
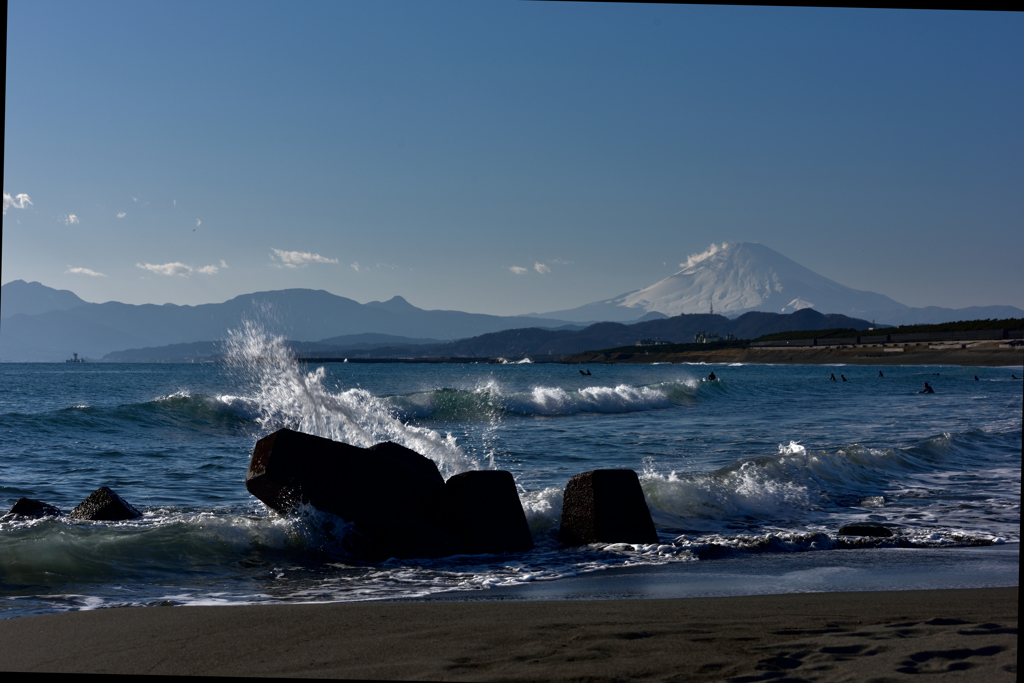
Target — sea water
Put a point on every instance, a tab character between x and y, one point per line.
767	461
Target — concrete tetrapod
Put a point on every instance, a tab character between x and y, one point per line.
605	506
482	508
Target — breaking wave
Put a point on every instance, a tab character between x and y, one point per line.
282	395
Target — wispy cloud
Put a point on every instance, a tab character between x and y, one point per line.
180	269
198	222
121	214
19	201
519	270
355	266
295	259
541	268
71	219
694	259
83	271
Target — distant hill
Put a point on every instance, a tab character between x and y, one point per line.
33	298
678	329
94	330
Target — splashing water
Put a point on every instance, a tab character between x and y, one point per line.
285	396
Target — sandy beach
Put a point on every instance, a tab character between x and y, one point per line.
967	634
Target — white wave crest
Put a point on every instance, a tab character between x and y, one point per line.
285	396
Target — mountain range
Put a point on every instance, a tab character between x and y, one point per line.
39	323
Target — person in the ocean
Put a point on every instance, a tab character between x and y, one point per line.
711	377
975	378
588	372
927	389
833	377
844	377
880	374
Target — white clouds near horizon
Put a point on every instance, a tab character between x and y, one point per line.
295	259
518	270
180	269
83	271
541	268
71	219
121	214
18	201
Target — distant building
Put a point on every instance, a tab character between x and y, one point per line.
703	337
652	342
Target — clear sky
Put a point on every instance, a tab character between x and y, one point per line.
507	157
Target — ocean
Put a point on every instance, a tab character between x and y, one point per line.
759	468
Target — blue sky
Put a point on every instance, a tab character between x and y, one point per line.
507	157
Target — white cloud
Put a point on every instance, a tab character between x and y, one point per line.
518	270
294	259
19	201
175	268
71	219
223	263
694	259
355	266
83	271
180	269
541	268
198	222
121	214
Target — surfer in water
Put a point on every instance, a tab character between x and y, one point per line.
880	374
927	389
711	377
844	377
833	377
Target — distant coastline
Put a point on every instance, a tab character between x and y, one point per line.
979	354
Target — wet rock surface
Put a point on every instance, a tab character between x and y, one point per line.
29	507
605	506
873	530
104	505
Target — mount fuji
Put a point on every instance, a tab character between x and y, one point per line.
746	276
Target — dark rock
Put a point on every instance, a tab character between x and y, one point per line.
402	539
28	507
875	530
384	483
483	510
105	506
605	506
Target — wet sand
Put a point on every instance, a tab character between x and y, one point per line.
962	634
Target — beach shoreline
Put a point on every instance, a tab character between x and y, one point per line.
961	634
976	354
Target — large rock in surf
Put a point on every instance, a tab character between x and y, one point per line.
384	482
103	505
873	530
483	510
605	506
29	507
